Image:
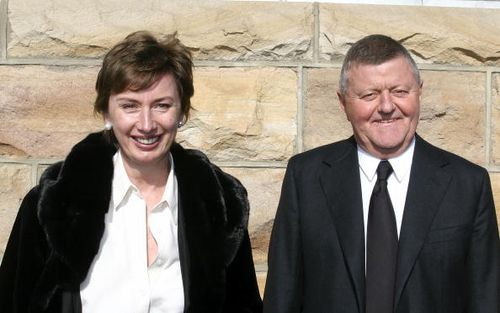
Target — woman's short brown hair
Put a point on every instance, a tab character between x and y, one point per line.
139	61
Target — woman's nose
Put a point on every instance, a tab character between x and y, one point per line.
146	122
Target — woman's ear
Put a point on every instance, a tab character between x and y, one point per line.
107	123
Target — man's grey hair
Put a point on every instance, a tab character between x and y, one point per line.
374	50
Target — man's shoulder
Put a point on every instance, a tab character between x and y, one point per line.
448	158
333	150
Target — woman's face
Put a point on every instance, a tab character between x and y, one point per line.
145	122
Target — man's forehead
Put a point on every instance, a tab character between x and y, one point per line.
362	63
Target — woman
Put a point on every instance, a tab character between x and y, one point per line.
131	221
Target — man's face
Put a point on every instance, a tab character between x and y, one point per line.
382	102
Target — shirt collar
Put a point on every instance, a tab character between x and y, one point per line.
122	186
170	193
401	164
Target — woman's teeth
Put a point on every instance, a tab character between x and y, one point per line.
147	141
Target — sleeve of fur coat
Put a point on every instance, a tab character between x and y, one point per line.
23	259
242	291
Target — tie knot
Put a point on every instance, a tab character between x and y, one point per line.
384	169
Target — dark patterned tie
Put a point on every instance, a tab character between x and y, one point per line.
382	246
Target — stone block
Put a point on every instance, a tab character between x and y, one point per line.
324	120
212	29
243	114
261	281
264	188
240	114
452	113
3	28
44	110
495	120
432	34
15	182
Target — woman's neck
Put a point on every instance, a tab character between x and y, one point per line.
148	177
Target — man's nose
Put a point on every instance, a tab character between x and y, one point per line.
386	104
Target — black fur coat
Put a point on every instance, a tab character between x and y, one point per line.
59	226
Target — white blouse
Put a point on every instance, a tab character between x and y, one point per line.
119	279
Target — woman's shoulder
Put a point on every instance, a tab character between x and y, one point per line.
198	163
193	167
51	172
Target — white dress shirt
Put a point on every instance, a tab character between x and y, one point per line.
119	279
397	183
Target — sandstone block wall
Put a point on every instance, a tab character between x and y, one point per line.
265	79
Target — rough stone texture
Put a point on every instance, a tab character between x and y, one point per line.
264	188
452	114
240	113
243	114
324	120
3	28
495	186
15	181
434	35
45	110
261	281
452	111
213	29
495	120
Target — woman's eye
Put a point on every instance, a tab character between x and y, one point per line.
163	105
127	106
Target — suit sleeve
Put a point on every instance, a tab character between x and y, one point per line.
283	291
484	256
23	258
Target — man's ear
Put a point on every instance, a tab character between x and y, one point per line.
342	103
341	100
420	90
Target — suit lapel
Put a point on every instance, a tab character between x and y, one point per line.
342	188
428	183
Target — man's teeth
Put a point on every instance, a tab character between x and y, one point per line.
147	141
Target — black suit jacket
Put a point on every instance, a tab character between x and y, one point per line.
449	251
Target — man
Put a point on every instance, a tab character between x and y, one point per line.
432	243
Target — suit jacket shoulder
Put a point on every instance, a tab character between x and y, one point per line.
328	154
428	155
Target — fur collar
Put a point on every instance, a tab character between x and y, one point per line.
75	194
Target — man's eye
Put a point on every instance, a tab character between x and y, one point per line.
400	92
369	96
